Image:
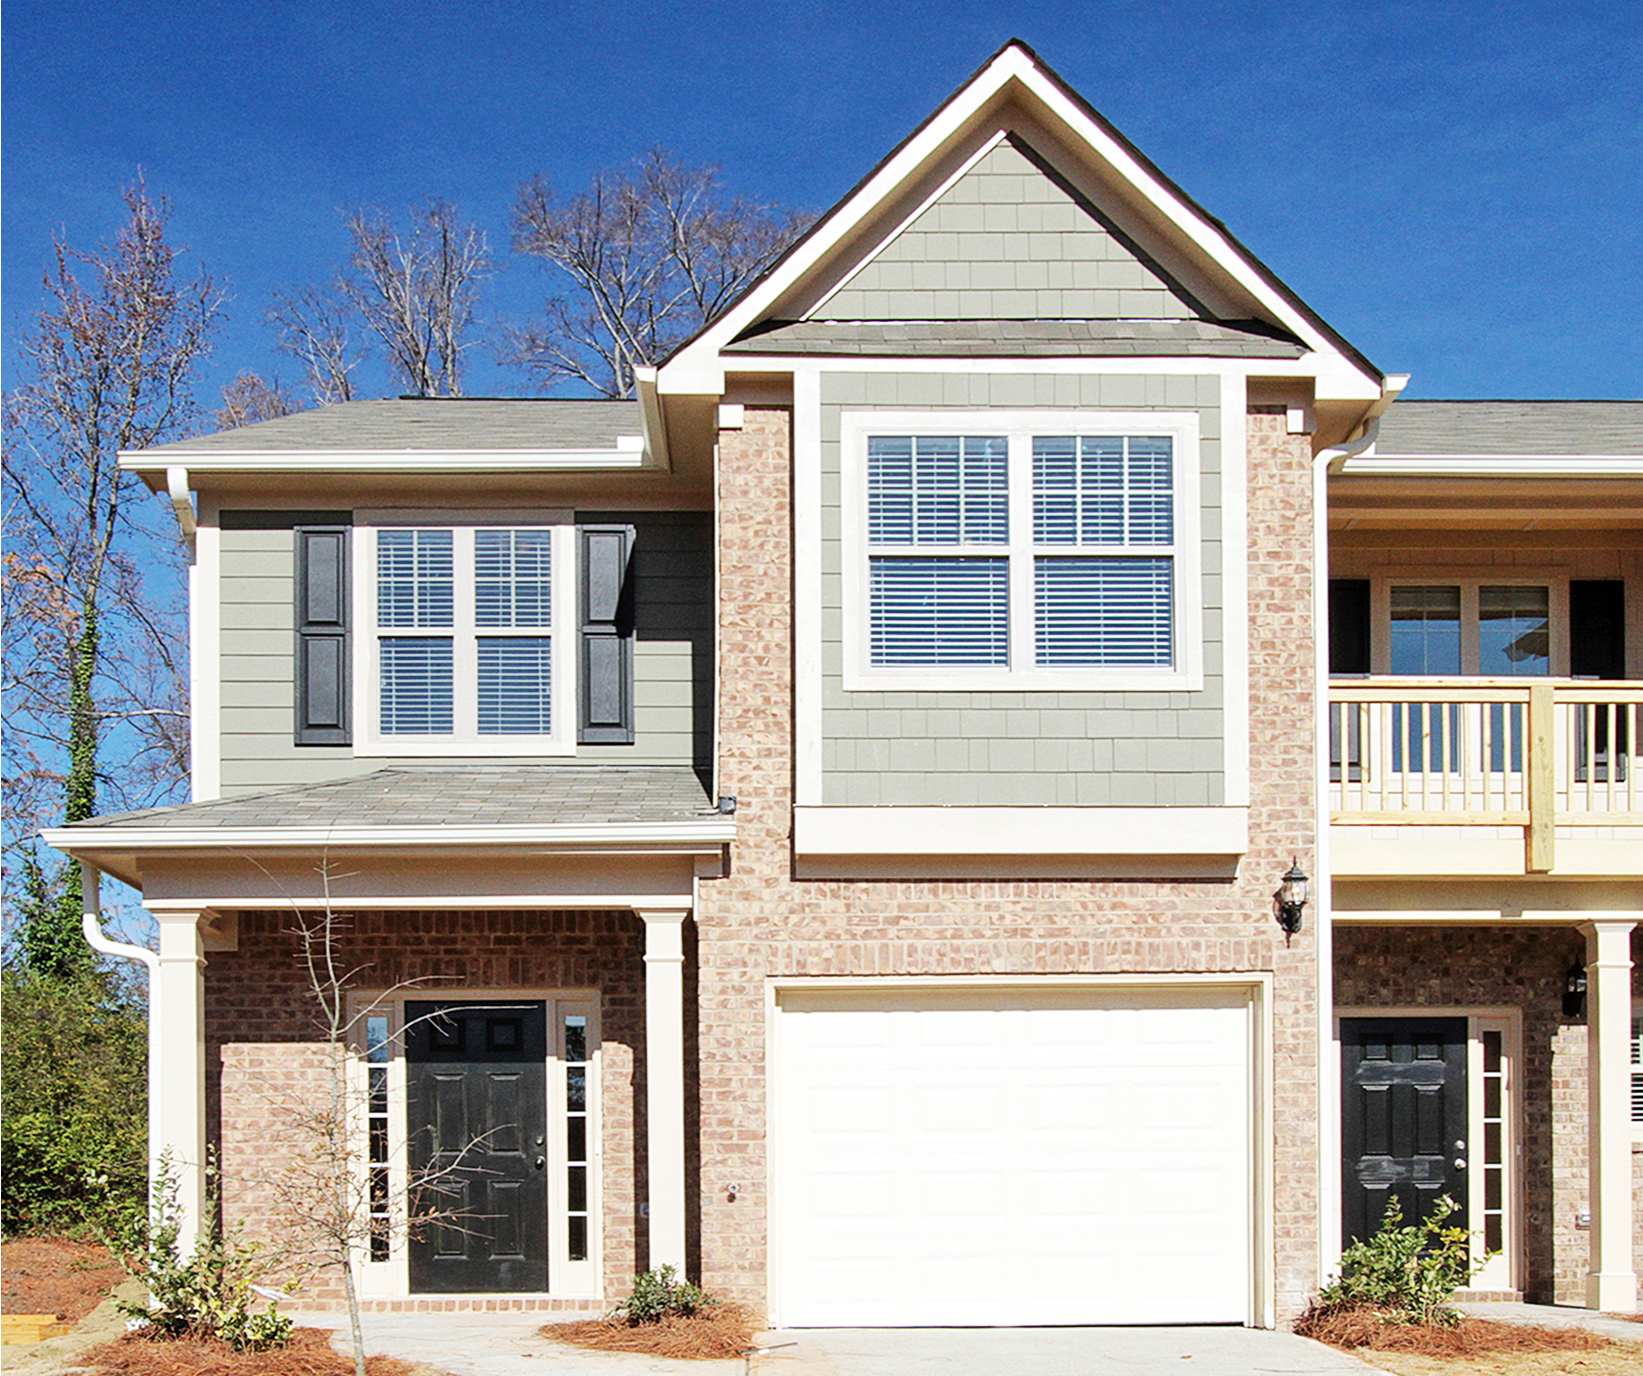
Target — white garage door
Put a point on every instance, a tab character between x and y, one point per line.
976	1157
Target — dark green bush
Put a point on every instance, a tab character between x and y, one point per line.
660	1294
1409	1272
73	1109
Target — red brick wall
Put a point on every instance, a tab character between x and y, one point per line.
265	1057
762	921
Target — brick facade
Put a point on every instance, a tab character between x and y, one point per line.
761	921
265	1061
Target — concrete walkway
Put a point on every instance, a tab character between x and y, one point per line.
510	1345
1559	1316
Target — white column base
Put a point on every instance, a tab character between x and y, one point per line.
665	1083
1612	1292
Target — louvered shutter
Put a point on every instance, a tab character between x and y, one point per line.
605	641
322	649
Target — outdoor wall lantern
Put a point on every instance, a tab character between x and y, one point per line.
1574	991
1290	899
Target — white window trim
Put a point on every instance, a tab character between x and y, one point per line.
369	739
391	1278
1186	675
1555	582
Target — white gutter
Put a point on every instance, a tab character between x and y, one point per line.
650	411
1334	458
176	485
81	838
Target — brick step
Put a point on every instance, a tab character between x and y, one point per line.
31	1328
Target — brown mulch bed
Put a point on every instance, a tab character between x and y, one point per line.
308	1354
1358	1328
726	1330
53	1275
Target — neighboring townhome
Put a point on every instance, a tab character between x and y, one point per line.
840	822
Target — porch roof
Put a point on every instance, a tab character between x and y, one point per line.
1454	428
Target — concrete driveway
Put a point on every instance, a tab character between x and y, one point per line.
510	1345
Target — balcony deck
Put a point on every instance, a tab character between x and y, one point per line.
1485	777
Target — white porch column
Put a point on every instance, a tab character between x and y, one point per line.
1612	1283
665	1082
176	1039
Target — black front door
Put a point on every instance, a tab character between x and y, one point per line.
1403	1119
477	1097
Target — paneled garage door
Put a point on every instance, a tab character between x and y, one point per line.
978	1156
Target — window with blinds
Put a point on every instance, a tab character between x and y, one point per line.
469	634
1021	551
1637	1072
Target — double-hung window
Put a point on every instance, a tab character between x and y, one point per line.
1037	550
468	634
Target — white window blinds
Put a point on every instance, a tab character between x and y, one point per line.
480	656
1085	579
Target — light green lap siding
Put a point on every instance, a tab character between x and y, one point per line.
1051	748
673	656
1007	241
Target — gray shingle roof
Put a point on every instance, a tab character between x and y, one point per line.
528	795
1021	338
430	423
1511	427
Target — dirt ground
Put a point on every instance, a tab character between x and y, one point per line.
1624	1359
51	1275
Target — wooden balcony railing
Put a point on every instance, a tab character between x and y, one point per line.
1539	754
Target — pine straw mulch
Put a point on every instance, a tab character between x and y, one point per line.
1471	1345
309	1353
725	1330
55	1275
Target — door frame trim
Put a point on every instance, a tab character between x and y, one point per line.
1506	1272
1256	986
390	1279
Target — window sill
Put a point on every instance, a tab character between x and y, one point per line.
857	680
447	747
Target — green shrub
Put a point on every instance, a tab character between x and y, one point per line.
660	1294
73	1110
1409	1272
209	1293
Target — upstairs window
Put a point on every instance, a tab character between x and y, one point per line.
469	636
1038	551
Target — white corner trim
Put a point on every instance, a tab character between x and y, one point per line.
1234	551
1020	830
205	665
807	593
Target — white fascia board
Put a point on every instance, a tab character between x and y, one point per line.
1043	831
84	840
650	411
1495	466
628	452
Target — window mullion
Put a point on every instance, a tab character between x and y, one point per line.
464	632
1023	655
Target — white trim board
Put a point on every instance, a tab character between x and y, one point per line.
1020	831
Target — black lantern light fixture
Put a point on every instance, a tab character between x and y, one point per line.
1574	991
1290	899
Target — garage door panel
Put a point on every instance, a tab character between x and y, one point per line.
1080	1162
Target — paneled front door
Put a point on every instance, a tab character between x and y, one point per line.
476	1096
1403	1119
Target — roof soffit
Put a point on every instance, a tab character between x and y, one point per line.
1015	94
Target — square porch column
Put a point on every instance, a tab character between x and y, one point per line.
665	1082
176	1040
1612	1283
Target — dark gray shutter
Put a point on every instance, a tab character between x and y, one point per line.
322	699
1597	628
605	636
1349	625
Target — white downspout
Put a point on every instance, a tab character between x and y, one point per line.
1325	462
91	923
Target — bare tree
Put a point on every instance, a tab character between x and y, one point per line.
248	400
94	659
648	257
316	329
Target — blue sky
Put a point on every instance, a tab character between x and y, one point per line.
1457	188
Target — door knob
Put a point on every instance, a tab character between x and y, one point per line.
1460	1163
540	1162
